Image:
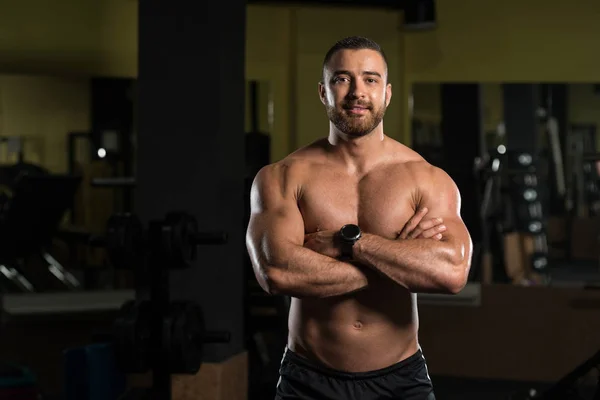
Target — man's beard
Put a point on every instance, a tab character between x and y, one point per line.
356	125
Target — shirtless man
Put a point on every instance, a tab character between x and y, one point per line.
333	227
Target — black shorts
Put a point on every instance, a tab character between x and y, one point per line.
301	379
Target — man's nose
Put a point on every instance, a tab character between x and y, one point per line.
357	89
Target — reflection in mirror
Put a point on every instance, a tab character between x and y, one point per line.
67	154
259	124
57	135
525	157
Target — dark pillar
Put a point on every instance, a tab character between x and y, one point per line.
462	134
521	103
528	187
190	152
555	101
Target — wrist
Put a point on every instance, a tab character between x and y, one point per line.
349	235
358	248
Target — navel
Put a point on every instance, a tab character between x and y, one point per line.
358	324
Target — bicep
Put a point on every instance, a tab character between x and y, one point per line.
275	220
442	198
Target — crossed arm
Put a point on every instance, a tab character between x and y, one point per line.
423	265
285	262
275	243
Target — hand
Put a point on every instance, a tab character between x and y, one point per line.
323	242
417	228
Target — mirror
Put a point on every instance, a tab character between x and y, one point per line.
525	157
53	144
259	125
81	129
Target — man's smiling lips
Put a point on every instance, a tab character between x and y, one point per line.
357	109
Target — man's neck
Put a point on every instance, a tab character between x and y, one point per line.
358	153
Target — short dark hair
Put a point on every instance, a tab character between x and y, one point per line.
353	43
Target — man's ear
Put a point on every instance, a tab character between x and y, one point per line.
322	94
388	94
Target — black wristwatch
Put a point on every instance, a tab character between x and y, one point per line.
349	234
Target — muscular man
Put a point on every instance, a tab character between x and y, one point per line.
329	229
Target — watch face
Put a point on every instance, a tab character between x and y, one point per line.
351	232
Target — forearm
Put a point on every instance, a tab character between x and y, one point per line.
305	273
420	265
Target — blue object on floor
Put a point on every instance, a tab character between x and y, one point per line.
91	373
12	375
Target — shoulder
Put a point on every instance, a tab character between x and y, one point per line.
428	173
289	173
417	165
429	179
434	185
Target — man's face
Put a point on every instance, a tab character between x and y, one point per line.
355	92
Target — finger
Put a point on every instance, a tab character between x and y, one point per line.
430	223
414	233
423	226
433	232
413	222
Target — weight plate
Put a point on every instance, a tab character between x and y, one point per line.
124	241
131	337
179	247
187	335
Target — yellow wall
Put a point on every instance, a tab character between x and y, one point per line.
512	40
427	103
268	59
318	29
506	41
42	110
582	103
78	37
286	46
475	41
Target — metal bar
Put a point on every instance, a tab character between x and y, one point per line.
114	182
64	302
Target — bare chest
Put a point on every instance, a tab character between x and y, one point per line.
379	203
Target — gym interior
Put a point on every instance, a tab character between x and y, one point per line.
130	132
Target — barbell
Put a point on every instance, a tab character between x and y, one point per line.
178	237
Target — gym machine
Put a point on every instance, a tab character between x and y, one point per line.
157	334
114	148
582	172
591	178
526	179
527	204
29	218
488	171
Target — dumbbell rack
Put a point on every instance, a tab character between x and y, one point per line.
169	244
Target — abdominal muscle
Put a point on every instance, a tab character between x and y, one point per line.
362	332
